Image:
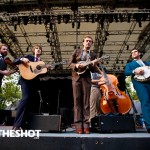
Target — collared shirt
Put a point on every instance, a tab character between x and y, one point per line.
95	76
86	54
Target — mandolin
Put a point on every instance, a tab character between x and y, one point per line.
87	63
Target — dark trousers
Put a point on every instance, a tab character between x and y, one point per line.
27	103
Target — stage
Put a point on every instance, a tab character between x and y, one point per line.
69	140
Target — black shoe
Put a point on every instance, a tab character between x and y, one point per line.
148	130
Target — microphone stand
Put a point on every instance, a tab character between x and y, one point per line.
41	101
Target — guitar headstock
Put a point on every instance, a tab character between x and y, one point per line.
64	62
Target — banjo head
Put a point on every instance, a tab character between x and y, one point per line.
146	76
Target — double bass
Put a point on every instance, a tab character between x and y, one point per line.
113	100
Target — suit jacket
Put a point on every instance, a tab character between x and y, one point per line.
22	80
129	71
76	57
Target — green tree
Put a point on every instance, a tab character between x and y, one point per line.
10	92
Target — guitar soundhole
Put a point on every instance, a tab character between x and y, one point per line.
38	67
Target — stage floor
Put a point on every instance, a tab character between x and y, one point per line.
70	132
69	140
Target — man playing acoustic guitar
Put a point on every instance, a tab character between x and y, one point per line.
29	89
142	87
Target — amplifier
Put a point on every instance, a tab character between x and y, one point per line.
113	123
50	123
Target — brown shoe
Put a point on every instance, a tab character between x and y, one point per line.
79	130
86	130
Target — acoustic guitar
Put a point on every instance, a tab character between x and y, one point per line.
87	63
31	69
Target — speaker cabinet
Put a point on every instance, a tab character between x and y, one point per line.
113	123
50	123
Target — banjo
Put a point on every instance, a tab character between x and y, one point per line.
144	77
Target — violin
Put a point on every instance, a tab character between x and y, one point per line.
10	63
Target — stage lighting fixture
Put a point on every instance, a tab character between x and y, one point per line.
35	20
73	24
46	19
19	20
127	47
40	19
59	19
78	25
97	19
15	27
102	21
66	18
25	20
93	18
138	19
87	17
121	17
51	26
116	17
110	18
129	18
13	20
27	49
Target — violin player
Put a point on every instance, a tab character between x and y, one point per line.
3	64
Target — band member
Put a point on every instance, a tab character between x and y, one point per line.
142	88
95	96
81	84
3	64
29	90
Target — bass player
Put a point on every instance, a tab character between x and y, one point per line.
133	69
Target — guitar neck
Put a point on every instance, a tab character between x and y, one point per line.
105	76
90	62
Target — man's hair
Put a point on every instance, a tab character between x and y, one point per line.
134	49
33	48
141	54
3	44
88	36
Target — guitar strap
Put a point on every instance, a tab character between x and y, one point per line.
140	62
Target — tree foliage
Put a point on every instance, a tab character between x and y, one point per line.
10	92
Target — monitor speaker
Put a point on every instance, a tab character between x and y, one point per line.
113	123
49	123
